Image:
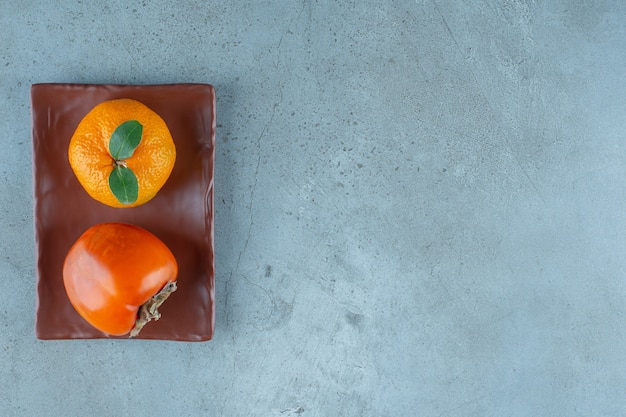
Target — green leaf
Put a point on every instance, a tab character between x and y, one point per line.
125	140
123	184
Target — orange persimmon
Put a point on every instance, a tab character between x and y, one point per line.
117	275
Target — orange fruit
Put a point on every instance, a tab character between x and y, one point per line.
122	153
117	275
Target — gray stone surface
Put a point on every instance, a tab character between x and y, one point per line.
420	207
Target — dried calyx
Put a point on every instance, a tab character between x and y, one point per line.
150	309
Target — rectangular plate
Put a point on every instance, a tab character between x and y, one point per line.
181	214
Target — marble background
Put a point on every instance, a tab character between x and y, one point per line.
420	207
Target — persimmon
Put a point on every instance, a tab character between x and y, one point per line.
117	275
122	153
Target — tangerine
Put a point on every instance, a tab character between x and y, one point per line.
122	153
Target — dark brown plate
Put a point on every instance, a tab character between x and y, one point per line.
181	214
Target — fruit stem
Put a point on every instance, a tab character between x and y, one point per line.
120	163
149	310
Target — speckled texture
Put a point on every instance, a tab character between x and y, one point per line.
419	207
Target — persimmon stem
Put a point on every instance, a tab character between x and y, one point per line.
149	310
